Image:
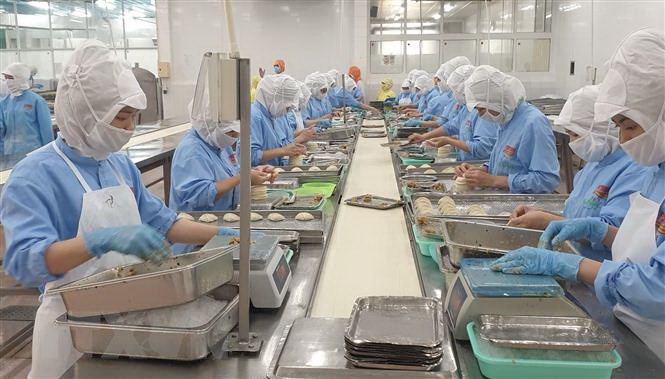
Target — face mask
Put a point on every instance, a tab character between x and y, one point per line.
106	139
15	87
590	147
276	69
321	95
492	118
648	149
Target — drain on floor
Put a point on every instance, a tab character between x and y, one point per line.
18	313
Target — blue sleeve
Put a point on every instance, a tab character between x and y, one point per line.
537	152
451	127
256	143
3	131
29	228
357	93
44	121
193	180
618	201
640	288
152	209
484	137
306	113
351	101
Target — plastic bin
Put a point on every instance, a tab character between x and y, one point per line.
313	188
427	246
506	363
413	161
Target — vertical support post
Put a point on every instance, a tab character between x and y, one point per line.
245	198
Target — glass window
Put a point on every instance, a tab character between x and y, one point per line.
460	17
68	39
386	57
501	17
33	14
34	38
146	58
533	16
386	17
431	17
8	38
422	55
532	55
69	15
454	48
60	59
42	60
499	53
7	13
107	24
140	25
7	58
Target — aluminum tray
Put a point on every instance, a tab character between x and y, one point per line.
497	206
335	133
178	279
374	202
305	173
180	344
404	132
473	239
302	202
310	231
543	332
388	365
438	166
373	135
396	320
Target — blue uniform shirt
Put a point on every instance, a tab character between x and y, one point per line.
264	136
339	98
316	108
450	111
25	123
41	204
357	92
478	134
640	288
197	167
438	103
601	189
285	128
403	95
525	152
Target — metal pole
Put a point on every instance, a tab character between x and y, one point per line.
245	198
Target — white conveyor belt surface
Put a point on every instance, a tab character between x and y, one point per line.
369	251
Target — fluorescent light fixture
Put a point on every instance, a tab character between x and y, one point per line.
447	7
569	7
39	4
527	8
436	16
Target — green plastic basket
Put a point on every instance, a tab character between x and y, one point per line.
314	188
427	246
507	363
413	161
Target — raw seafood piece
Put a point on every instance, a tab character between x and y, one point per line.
304	216
231	217
208	217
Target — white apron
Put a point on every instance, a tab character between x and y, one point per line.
52	350
636	242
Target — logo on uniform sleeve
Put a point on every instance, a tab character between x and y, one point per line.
27	106
660	223
232	158
509	151
602	191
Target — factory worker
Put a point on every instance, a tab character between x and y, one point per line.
345	97
318	110
275	96
25	120
404	96
255	83
602	188
279	66
475	137
524	158
354	73
76	207
423	87
295	120
412	76
386	90
633	282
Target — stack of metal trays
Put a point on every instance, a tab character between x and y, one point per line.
395	332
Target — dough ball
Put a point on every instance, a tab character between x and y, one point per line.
448	170
430	172
314	168
208	217
410	167
332	168
304	216
276	217
255	217
231	217
425	166
296	169
185	216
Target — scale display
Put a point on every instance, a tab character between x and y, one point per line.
281	274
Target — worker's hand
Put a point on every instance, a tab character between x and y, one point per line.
588	228
374	110
259	177
294	149
479	178
521	210
414	122
224	231
437	142
138	240
462	169
534	219
535	261
306	135
416	137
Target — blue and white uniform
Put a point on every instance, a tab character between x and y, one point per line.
264	136
478	134
25	123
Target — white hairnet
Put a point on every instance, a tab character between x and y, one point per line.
456	81
448	67
414	74
577	114
279	93
406	84
316	81
21	74
303	96
334	74
424	83
349	83
487	87
94	86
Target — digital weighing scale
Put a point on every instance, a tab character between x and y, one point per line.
270	274
477	290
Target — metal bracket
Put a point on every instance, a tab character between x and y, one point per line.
233	344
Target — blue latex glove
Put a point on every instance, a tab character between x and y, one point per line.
324	124
588	228
534	261
224	231
413	123
428	117
139	240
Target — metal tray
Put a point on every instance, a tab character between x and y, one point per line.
543	332
497	206
284	183
374	123
374	202
335	133
404	132
310	231
305	173
396	320
302	202
473	239
387	365
439	166
178	280
181	344
373	135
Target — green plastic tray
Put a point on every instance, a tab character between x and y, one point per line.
506	363
413	161
427	246
311	189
